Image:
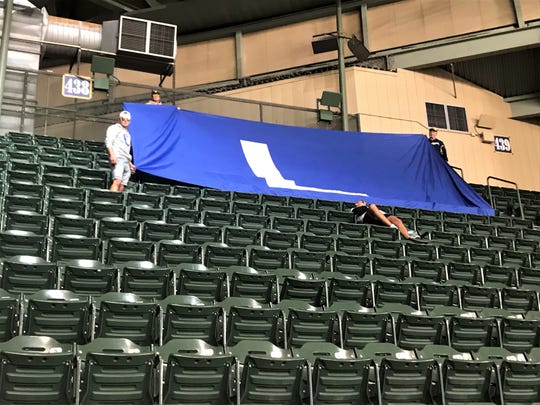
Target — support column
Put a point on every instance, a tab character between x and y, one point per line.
6	30
342	80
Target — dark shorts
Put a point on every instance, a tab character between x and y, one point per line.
371	219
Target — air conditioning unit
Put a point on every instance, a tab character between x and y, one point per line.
143	45
147	38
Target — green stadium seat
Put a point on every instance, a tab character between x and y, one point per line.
212	204
105	209
196	372
418	331
188	317
28	221
181	216
186	191
310	291
245	197
206	283
174	252
59	314
176	201
143	212
216	194
220	255
37	369
121	250
69	224
156	230
264	258
216	218
247	319
433	294
406	380
155	188
245	207
117	227
352	265
250	221
271	379
467	381
200	233
147	280
28	274
307	261
343	288
72	247
132	366
520	381
21	202
285	224
470	334
247	282
337	375
238	236
89	277
274	239
126	315
362	328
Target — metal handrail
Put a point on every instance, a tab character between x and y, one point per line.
509	182
460	170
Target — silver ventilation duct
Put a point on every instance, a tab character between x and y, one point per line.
24	53
63	37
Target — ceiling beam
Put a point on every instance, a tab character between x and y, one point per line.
120	5
462	48
165	13
525	106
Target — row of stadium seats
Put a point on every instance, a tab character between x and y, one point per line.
18	139
421	286
290	323
308	252
191	371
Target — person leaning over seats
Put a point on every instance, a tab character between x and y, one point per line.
118	143
437	143
370	214
155	98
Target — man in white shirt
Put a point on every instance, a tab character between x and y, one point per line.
118	142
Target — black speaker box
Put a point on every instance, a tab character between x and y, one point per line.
324	43
358	49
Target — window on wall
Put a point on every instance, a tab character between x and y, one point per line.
446	117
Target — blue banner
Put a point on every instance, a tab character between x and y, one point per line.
232	154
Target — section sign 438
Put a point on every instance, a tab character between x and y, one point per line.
76	86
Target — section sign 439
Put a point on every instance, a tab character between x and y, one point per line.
502	144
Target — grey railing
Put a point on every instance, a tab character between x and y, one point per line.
508	182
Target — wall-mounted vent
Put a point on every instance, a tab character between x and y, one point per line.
147	38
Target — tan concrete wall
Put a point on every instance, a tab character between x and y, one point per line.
413	21
394	102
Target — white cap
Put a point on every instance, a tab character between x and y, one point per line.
125	114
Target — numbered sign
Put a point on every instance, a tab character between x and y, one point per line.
502	144
76	86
